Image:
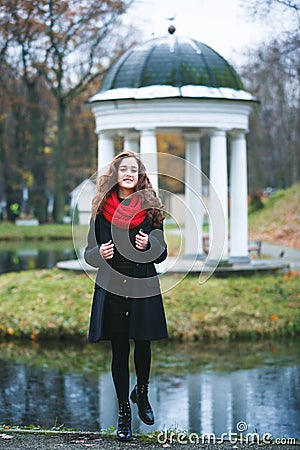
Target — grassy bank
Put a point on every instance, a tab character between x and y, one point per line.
47	232
56	304
278	222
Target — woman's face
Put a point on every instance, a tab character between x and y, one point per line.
128	174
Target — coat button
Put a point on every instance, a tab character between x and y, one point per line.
127	313
125	281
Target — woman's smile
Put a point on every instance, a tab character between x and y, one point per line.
128	175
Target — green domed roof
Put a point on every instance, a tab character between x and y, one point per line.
171	61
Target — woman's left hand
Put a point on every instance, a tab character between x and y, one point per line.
141	240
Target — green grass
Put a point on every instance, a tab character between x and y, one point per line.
57	232
12	232
274	206
235	307
41	303
56	304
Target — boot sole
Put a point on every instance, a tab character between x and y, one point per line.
124	439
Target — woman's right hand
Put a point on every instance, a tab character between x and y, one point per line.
107	250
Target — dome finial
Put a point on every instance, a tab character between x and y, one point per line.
171	29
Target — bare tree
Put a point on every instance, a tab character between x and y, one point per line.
273	75
28	100
262	9
79	37
67	43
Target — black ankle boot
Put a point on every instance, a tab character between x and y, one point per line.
139	395
124	433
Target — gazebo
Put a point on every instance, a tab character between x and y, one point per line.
174	83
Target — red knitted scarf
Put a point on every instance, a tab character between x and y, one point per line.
123	216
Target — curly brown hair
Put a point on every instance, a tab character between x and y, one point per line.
108	183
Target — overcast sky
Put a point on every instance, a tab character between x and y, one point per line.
221	24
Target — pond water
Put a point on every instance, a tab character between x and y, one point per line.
198	388
33	255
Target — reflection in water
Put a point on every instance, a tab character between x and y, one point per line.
36	256
214	402
266	397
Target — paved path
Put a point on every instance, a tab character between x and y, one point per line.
283	254
84	441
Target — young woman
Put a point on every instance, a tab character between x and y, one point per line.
125	240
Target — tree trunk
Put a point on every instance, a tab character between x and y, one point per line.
3	168
59	161
38	193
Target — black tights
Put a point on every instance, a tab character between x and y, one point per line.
120	364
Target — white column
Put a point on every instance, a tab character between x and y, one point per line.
238	199
131	142
106	151
193	192
218	196
148	154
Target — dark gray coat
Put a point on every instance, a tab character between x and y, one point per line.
147	319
